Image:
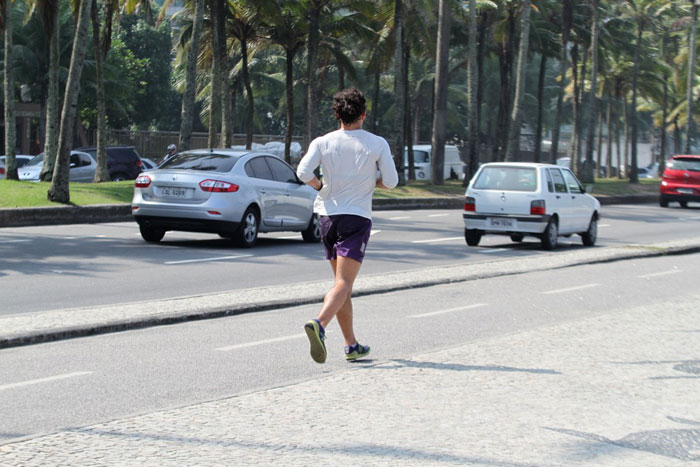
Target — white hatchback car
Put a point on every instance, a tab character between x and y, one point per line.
518	199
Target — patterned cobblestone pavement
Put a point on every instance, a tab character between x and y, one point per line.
621	389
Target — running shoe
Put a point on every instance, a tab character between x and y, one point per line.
355	352
317	339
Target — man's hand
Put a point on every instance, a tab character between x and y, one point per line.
315	183
381	185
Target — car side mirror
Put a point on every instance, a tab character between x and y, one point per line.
72	164
588	189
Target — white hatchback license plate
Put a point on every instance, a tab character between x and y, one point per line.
685	191
502	223
174	192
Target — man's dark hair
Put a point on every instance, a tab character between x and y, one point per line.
349	105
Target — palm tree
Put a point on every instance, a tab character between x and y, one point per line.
592	113
314	9
514	132
441	85
472	90
190	78
9	93
692	66
216	10
59	189
566	24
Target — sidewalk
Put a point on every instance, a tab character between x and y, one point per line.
618	390
51	325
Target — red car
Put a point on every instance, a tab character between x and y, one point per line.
680	181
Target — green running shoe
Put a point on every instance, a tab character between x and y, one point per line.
355	352
317	339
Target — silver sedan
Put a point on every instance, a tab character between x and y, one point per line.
233	193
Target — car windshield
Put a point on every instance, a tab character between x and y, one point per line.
210	162
36	160
690	164
507	178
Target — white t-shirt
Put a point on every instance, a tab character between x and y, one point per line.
349	160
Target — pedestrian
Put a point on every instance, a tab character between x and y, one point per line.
172	149
353	162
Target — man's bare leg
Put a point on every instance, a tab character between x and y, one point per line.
337	301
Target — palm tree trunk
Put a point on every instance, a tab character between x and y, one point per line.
437	159
599	140
312	45
215	96
59	189
9	93
188	96
619	149
513	147
399	140
692	39
226	110
608	163
52	105
634	176
289	94
249	94
573	149
592	113
472	91
375	100
626	123
540	105
102	173
566	19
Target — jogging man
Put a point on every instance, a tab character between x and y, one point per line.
349	158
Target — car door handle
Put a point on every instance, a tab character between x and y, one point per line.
558	197
262	192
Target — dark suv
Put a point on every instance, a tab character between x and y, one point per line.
123	162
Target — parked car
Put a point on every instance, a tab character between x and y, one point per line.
233	193
148	164
123	162
680	181
650	171
82	168
20	160
453	166
518	199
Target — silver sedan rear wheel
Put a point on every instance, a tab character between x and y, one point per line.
312	234
550	236
247	232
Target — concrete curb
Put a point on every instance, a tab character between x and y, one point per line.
94	214
33	328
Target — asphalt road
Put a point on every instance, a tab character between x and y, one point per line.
83	381
67	266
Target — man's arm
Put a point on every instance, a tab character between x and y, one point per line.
309	163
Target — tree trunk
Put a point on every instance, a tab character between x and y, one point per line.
634	176
540	105
513	150
226	110
592	112
289	94
472	92
626	123
566	18
52	102
599	140
249	94
505	59
101	173
608	163
692	39
573	149
59	190
664	114
215	88
312	107
399	140
437	159
9	92
619	149
188	96
375	101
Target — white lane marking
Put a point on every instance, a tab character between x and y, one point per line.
372	232
287	237
220	258
495	250
449	310
656	274
44	380
15	241
432	240
263	342
570	289
438	215
689	218
603	225
399	218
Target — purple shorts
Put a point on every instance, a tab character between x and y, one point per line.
345	235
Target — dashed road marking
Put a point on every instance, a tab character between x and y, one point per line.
202	260
228	348
16	241
44	380
438	215
433	240
604	225
399	218
372	232
449	310
657	274
570	289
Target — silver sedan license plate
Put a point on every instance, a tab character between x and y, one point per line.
501	223
174	192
